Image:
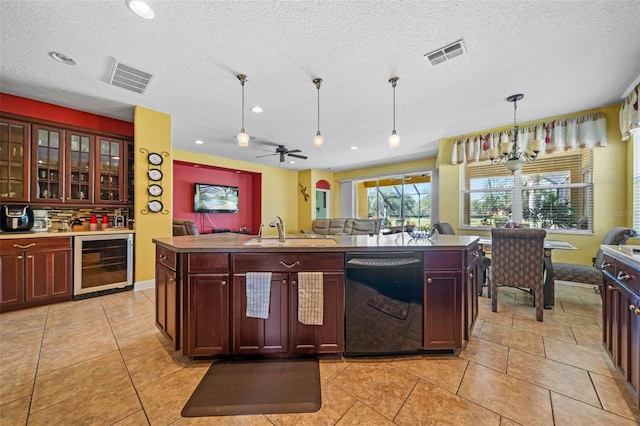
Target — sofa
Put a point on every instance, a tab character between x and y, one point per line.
344	226
184	227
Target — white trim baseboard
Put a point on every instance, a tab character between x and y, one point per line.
144	285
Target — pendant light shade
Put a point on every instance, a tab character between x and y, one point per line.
243	137
394	138
318	140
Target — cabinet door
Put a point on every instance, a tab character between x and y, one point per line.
325	338
207	315
14	161
257	335
79	167
12	277
48	173
110	173
442	310
611	317
166	303
470	299
48	275
633	372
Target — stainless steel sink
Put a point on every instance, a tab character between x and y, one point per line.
291	242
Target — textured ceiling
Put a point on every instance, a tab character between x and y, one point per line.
565	56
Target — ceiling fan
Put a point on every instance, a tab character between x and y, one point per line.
282	151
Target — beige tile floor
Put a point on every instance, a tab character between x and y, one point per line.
102	361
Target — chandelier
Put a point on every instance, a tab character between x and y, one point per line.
510	153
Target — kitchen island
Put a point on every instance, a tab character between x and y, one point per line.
201	291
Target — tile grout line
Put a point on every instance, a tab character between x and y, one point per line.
35	374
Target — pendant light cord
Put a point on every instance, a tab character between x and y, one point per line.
394	106
242	105
318	109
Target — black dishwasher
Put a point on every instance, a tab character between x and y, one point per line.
383	303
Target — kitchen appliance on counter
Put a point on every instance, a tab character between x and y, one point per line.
16	218
41	221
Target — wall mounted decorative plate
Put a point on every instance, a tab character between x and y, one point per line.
155	206
155	190
155	174
154	158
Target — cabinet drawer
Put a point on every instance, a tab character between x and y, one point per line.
206	263
443	260
608	265
628	276
473	255
35	244
288	262
166	257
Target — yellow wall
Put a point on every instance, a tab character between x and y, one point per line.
152	131
305	207
611	177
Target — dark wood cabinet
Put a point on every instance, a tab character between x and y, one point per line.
112	178
253	336
35	272
207	301
167	295
48	147
442	314
325	338
14	160
621	319
282	332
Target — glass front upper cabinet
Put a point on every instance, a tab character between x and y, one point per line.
14	150
48	168
80	150
110	179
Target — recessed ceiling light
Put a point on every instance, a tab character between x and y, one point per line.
61	57
353	148
256	109
198	141
141	9
292	162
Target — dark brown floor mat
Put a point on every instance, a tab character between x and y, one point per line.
257	387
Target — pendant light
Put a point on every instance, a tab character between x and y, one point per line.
243	137
394	138
318	140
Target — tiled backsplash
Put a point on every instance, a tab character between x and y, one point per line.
57	215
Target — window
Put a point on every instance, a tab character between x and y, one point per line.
554	193
398	200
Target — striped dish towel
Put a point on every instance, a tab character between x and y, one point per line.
258	294
310	298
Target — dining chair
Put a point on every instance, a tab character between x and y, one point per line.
517	261
592	274
184	227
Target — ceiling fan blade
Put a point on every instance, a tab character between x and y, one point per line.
293	150
304	157
266	155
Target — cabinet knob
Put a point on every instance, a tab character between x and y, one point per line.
19	257
611	288
429	280
163	257
470	274
632	307
223	282
622	275
171	279
605	265
284	282
29	256
293	282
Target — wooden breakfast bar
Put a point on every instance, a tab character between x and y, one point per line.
201	296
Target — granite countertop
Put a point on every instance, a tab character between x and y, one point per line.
627	253
20	235
236	243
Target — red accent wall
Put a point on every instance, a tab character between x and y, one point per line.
185	175
44	111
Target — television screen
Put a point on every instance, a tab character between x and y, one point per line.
215	198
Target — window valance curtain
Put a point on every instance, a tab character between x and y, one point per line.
629	116
586	131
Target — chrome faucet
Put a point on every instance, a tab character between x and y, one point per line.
279	224
260	232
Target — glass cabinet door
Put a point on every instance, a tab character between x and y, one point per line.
14	146
80	148
48	170
109	180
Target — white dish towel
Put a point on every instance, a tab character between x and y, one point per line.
258	294
310	298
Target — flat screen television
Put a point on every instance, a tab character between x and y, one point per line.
209	198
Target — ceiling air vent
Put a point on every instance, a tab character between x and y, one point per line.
443	54
130	78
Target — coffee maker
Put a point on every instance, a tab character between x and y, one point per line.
41	221
16	218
